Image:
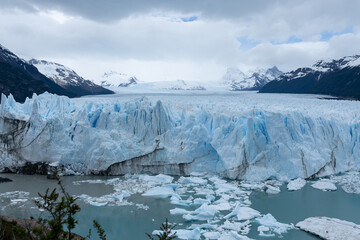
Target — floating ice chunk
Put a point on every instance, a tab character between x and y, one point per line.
199	201
274	226
160	192
253	186
176	200
222	205
233	236
350	182
330	228
211	235
225	187
112	181
159	179
204	212
296	184
203	226
97	204
243	227
18	201
54	164
324	185
265	231
192	180
179	211
243	213
91	181
188	234
203	191
15	194
183	234
119	197
272	189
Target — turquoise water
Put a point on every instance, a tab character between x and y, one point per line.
130	222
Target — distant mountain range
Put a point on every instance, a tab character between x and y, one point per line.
22	79
116	79
333	77
68	78
236	80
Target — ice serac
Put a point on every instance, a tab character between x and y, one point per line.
254	138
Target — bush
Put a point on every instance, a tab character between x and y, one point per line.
166	232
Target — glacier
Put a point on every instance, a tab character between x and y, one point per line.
239	135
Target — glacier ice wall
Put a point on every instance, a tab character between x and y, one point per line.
239	139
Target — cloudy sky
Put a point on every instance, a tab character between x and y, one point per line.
159	40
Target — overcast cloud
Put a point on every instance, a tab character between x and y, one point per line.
169	40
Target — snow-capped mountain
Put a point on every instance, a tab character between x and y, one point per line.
331	77
238	80
22	79
116	79
68	78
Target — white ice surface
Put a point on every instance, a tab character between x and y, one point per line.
243	213
238	135
324	185
330	228
160	192
296	184
272	225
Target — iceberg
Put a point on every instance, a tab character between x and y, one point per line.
270	225
204	212
330	228
160	192
324	185
243	213
296	184
238	136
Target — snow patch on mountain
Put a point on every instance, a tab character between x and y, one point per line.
323	66
60	74
116	79
236	80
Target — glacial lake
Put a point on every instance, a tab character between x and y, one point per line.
142	214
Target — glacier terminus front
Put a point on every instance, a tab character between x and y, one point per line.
242	135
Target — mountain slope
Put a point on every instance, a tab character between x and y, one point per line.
335	77
236	80
22	79
115	79
68	78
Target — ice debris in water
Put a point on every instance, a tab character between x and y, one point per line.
324	185
350	181
330	228
296	184
269	225
160	191
183	234
204	212
243	213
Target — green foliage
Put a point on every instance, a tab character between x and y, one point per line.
99	229
165	232
10	231
61	210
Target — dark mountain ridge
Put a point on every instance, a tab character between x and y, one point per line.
340	78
